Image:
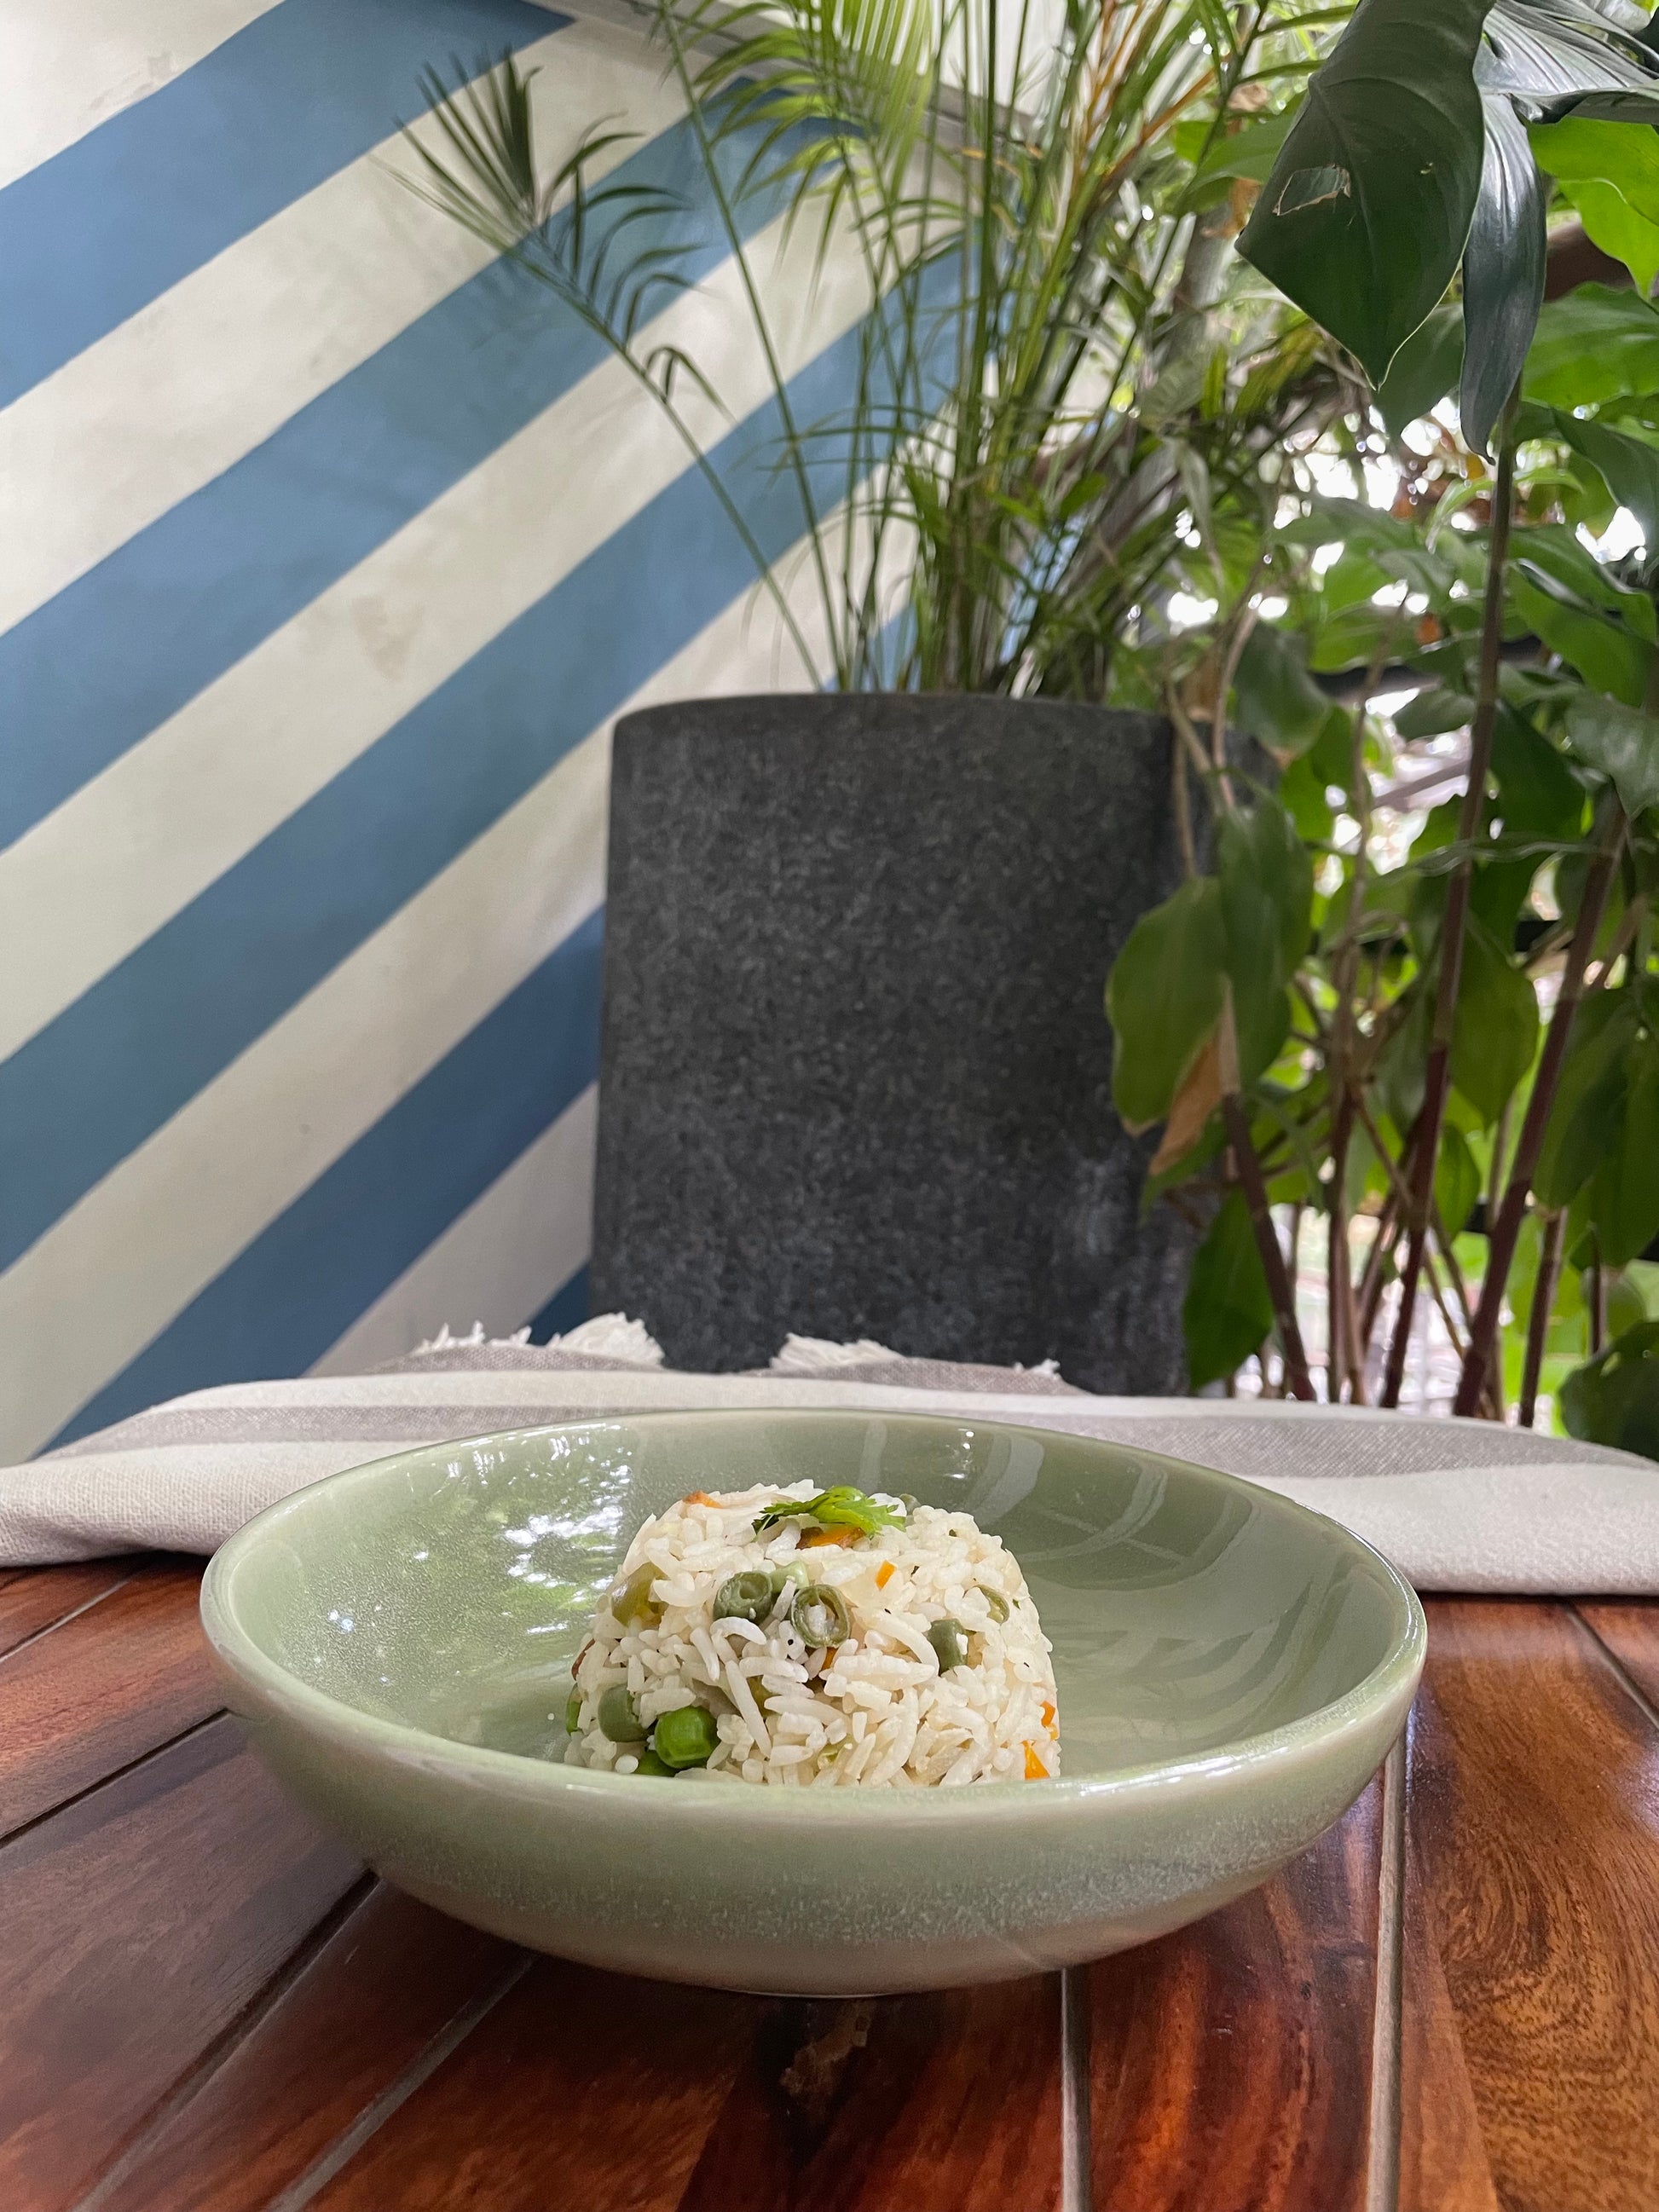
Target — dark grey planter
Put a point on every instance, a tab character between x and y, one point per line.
856	1074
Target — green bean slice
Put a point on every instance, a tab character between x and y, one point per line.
819	1616
950	1641
619	1717
747	1596
573	1712
632	1603
685	1737
995	1601
650	1764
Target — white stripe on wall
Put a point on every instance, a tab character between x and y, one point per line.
497	1263
182	390
68	65
181	1207
121	855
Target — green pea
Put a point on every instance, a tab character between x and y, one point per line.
633	1604
685	1737
950	1641
650	1764
820	1616
573	1712
747	1596
619	1717
997	1602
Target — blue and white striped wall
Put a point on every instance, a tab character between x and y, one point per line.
328	555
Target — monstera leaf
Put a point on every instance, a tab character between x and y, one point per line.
1409	157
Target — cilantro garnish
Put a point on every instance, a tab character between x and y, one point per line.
843	1507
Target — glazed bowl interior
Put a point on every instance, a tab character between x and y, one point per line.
449	1589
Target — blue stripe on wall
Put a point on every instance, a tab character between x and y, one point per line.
92	236
97	667
278	1306
200	990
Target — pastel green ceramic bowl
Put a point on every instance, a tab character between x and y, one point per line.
1230	1669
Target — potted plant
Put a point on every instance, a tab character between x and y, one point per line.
1458	1042
855	1081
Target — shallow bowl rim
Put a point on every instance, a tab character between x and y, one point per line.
1394	1678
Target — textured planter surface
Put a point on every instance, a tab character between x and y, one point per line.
855	1076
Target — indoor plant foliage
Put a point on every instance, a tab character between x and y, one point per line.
1466	1030
1063	364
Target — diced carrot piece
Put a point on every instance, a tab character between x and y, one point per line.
699	1498
883	1574
819	1537
1035	1769
1047	1715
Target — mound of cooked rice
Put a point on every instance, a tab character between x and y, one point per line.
844	1640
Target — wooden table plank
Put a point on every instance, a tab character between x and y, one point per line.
140	1921
112	1682
1630	1629
33	1599
579	2088
1535	1808
392	1978
1231	2062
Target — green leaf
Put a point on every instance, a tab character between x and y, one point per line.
1495	1028
1434	711
1625	1189
1250	153
1302	794
1274	698
1423	372
1615	1400
1605	652
1162	998
1584	1115
1456	1180
1628	159
1595	345
1362	220
1611	222
1623	743
1228	1312
1399	1068
1537	794
1503	272
1629	466
1265	876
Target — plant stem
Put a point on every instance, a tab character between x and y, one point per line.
1538	1321
1505	1231
1426	1136
1280	1288
1338	1360
1597	1308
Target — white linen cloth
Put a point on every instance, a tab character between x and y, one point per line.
1463	1505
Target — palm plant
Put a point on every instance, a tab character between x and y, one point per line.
1063	366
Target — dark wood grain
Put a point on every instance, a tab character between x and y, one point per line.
139	1923
945	2103
32	1602
1231	2062
1534	1809
384	1986
578	2089
108	1685
1630	1629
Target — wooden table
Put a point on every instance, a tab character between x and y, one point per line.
1451	2004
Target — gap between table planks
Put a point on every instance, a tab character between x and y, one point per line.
211	2008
